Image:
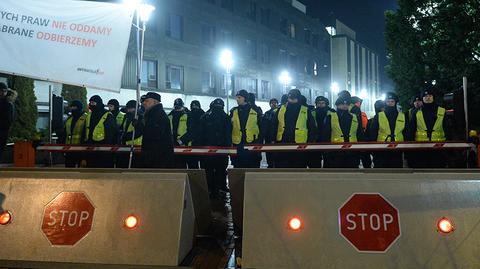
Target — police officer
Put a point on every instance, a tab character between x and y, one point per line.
269	133
246	121
74	127
101	129
196	112
114	108
416	103
157	142
342	127
429	124
129	127
216	130
389	126
294	124
322	109
181	131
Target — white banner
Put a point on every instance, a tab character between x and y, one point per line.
72	42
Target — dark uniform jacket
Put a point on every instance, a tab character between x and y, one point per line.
157	144
215	128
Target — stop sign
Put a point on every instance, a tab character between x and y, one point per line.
369	222
67	218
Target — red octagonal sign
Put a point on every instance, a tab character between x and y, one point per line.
369	222
68	218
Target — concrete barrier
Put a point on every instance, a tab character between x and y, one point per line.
362	220
78	219
197	182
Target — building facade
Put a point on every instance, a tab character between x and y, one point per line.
354	66
184	39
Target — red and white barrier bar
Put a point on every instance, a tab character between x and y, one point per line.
126	149
403	146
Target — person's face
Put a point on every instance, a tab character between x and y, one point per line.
273	105
321	104
418	104
149	103
3	93
92	103
390	102
131	110
240	100
73	108
428	99
111	107
358	104
342	107
292	100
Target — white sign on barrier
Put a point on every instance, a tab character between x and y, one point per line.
73	42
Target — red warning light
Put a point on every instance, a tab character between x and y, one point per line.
445	226
295	224
131	222
5	218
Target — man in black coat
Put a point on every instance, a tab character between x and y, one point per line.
100	129
157	144
7	110
322	108
196	112
216	130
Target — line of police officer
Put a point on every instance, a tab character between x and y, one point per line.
291	122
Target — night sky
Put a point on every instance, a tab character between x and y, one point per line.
365	17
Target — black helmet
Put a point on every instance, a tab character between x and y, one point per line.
114	102
242	93
218	102
344	94
417	97
295	94
195	103
322	98
343	100
391	95
379	104
356	99
284	99
131	104
178	102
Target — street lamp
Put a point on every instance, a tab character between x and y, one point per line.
226	61
334	89
285	79
142	13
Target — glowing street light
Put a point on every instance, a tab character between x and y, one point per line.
227	62
335	88
285	79
143	12
363	94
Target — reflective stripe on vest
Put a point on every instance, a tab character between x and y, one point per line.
384	132
120	118
438	134
301	131
252	130
182	126
136	141
99	130
75	137
337	134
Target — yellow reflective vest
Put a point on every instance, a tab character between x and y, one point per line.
252	131
119	119
99	130
182	126
438	134
137	141
75	137
301	130
337	134
384	132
